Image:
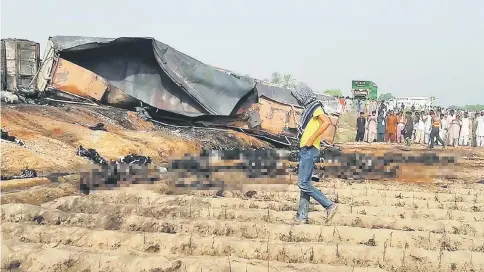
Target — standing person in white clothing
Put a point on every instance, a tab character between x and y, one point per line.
428	128
450	118
480	130
420	135
454	131
465	130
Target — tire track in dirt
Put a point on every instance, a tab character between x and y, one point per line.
130	221
282	202
268	216
279	232
39	194
70	258
344	195
194	206
292	252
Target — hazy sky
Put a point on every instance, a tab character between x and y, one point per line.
409	48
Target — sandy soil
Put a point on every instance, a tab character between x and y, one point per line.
431	224
52	135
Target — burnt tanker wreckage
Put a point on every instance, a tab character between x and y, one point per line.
166	86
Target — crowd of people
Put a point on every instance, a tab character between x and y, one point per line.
348	104
438	126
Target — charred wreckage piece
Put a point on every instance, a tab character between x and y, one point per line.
10	138
93	156
26	173
165	85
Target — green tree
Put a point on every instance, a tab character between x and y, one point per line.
288	81
477	107
276	78
334	92
385	97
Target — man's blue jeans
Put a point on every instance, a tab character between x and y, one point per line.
308	157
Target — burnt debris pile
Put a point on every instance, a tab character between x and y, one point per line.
365	166
98	126
200	170
114	174
91	154
130	169
335	164
26	173
13	139
255	163
135	159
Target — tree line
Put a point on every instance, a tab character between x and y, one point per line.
476	107
288	81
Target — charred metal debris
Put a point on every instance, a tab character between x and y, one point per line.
98	126
93	156
26	173
5	136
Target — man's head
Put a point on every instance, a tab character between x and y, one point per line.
442	115
373	113
362	114
452	112
482	113
303	94
466	114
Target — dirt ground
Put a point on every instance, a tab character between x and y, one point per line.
52	135
423	224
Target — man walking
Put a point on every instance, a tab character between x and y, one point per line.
312	124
